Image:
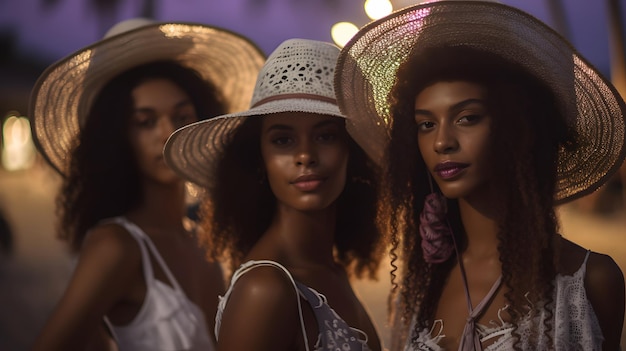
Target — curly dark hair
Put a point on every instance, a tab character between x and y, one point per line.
103	178
527	131
242	205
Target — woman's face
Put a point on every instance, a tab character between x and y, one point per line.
305	157
159	108
453	135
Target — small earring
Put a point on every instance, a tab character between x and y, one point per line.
437	237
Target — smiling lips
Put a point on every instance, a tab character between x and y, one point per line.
448	170
308	182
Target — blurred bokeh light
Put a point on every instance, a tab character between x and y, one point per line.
18	151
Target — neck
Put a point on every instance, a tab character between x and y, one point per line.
481	229
162	206
307	237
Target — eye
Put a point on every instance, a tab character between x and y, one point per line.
327	137
425	125
145	122
281	140
470	119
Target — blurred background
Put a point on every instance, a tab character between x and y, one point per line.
34	266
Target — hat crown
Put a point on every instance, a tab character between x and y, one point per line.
593	109
127	26
297	66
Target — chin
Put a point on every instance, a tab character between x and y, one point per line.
466	191
167	178
313	206
453	192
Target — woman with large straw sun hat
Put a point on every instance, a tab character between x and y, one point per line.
100	117
291	204
486	119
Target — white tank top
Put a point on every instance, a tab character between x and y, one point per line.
167	320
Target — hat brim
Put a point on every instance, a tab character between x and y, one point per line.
367	67
63	94
194	151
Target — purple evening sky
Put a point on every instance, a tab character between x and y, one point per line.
52	33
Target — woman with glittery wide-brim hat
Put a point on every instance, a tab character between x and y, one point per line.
485	119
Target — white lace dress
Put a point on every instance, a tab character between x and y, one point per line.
574	324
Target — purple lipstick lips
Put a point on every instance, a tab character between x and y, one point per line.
448	170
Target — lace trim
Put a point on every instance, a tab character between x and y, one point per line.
574	323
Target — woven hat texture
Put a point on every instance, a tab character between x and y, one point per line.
63	94
297	77
368	64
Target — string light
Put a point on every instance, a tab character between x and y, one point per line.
342	32
18	150
376	9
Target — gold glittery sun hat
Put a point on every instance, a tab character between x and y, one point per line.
367	67
297	77
63	94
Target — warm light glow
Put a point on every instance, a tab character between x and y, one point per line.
342	32
376	9
18	150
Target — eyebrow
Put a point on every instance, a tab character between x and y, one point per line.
180	104
318	125
457	106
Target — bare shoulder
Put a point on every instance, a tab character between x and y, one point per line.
602	270
110	258
263	307
112	244
604	286
267	285
107	269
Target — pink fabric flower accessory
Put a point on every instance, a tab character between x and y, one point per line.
437	240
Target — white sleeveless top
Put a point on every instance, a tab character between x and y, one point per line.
574	324
167	320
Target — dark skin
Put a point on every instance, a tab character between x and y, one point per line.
108	279
300	237
453	125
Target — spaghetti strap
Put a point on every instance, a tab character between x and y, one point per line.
167	318
248	266
586	258
144	241
470	341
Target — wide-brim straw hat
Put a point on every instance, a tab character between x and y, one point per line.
368	64
64	93
297	77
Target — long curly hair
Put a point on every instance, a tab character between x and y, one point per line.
240	205
103	179
527	132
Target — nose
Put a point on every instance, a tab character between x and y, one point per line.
166	127
306	154
445	140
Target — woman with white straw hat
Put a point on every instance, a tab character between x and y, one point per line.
293	198
101	117
486	119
